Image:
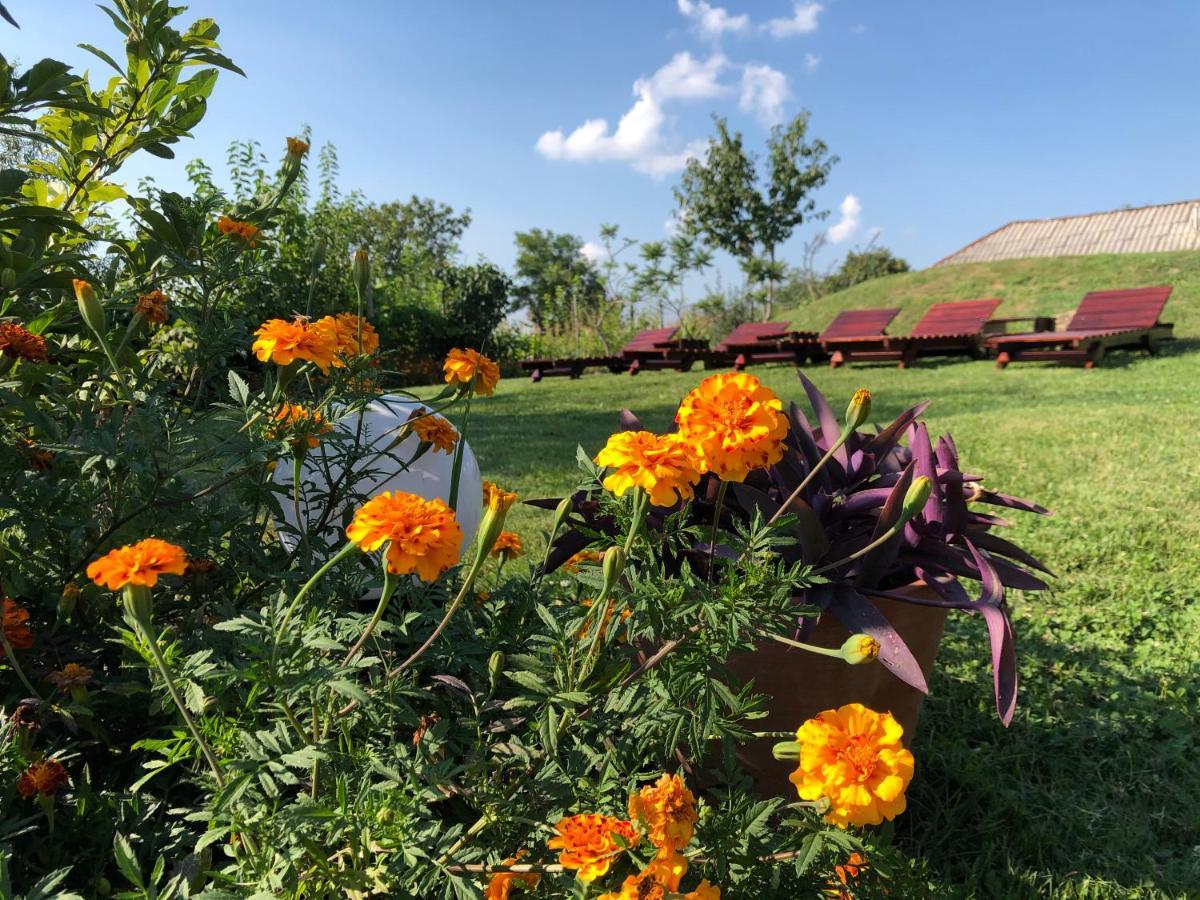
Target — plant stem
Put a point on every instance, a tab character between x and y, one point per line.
161	662
297	467
459	450
390	583
811	648
842	438
878	542
317	576
12	661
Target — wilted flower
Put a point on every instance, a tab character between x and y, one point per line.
302	424
734	423
423	725
42	778
852	756
422	536
153	306
588	842
200	565
244	231
471	369
15	624
508	546
435	430
296	146
666	811
500	885
138	564
18	342
39	459
71	675
283	342
661	465
847	874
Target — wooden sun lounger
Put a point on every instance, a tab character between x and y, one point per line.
749	343
857	327
573	366
946	329
1104	320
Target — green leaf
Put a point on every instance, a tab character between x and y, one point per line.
531	682
238	389
127	860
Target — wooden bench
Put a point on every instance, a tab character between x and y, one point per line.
641	345
956	328
1103	321
857	328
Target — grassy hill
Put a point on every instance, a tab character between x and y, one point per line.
1048	286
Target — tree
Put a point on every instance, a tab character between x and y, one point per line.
555	281
748	210
863	265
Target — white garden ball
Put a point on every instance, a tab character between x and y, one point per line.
428	477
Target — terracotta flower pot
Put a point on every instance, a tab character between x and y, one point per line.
802	684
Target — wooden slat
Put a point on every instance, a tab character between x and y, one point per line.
749	333
645	340
960	317
852	323
1120	310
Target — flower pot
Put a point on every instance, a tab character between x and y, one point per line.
802	684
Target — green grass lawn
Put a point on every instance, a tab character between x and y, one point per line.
1094	790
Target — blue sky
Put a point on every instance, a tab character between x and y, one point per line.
950	118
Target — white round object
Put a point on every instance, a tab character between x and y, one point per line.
427	477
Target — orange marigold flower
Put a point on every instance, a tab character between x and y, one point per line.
847	877
508	546
18	342
501	885
283	342
39	459
302	423
141	564
153	306
734	423
69	676
469	368
16	629
588	843
661	465
853	757
345	327
244	231
296	146
434	429
586	627
666	811
660	877
583	558
704	891
200	565
495	497
422	536
44	777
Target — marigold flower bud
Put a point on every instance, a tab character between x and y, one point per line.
914	500
565	505
89	306
786	750
860	648
360	268
8	278
495	664
612	567
859	409
67	601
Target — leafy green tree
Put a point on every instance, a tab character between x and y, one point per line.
863	265
749	210
555	282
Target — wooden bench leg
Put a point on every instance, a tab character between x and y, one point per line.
576	372
635	367
908	357
739	362
838	359
1003	359
1095	354
535	376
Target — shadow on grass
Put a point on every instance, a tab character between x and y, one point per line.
1097	774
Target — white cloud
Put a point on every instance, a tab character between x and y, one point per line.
638	138
811	61
712	21
593	252
763	92
844	228
803	21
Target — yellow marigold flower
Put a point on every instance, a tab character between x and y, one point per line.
735	424
501	885
71	675
583	558
283	342
244	231
661	465
853	757
16	629
345	327
20	343
508	546
303	423
588	843
296	146
435	430
44	777
140	564
497	498
472	369
422	536
153	306
660	877
666	811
